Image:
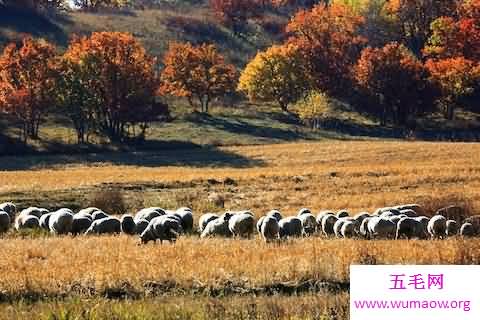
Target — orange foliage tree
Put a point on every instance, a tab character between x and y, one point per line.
27	82
112	79
235	12
396	79
197	73
328	38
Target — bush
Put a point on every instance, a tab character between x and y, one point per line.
110	201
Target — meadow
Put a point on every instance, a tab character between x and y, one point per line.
93	277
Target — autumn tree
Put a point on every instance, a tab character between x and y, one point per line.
313	109
396	79
235	13
329	40
27	81
456	77
117	79
413	18
278	74
198	73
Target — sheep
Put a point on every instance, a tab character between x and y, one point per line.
395	219
45	221
290	227
363	230
141	225
451	228
187	218
149	213
381	228
88	211
10	209
467	230
27	222
205	219
337	227
309	223
414	207
81	223
218	227
4	221
303	211
81	214
242	224
259	223
475	221
60	221
342	214
328	222
409	213
359	217
409	228
276	214
97	215
348	229
437	227
33	211
270	229
106	225
322	214
424	222
161	228
127	225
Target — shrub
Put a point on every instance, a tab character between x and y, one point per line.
111	201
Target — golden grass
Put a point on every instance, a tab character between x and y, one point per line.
61	265
352	175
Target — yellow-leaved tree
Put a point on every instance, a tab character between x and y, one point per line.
278	74
312	109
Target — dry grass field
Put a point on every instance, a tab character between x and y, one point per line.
348	175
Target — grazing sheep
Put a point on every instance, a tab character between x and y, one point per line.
322	214
475	221
409	213
187	218
328	222
45	221
140	226
242	225
162	228
127	225
81	223
309	223
409	228
106	225
270	229
97	215
342	214
348	229
276	214
60	221
33	211
303	211
84	215
381	228
359	217
4	221
363	230
290	227
424	222
437	227
259	224
88	211
205	219
395	219
27	222
218	227
456	213
467	230
451	228
149	213
10	209
415	207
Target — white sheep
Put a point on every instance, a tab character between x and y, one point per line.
218	227
187	218
140	226
290	227
409	228
415	207
45	221
242	224
304	211
127	225
27	222
337	227
348	229
309	223
106	225
322	214
205	219
161	228
451	228
269	228
97	215
9	208
275	213
381	228
33	211
328	222
409	213
4	221
342	214
60	221
81	223
259	224
363	230
149	213
467	230
88	211
424	222
437	227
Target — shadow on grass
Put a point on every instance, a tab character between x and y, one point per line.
150	154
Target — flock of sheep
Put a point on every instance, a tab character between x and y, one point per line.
151	224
